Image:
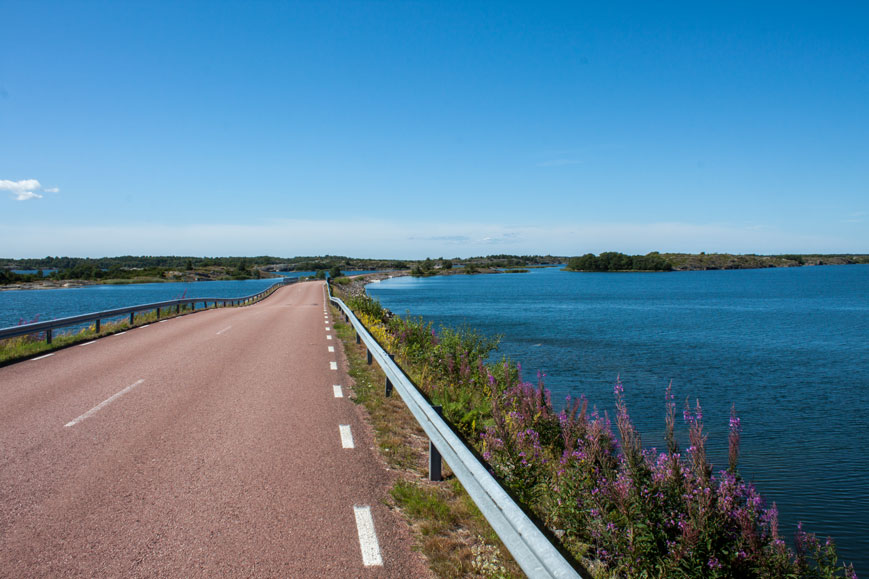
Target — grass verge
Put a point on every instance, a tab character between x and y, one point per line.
449	529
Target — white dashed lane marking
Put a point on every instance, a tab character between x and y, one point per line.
87	343
331	348
346	436
224	330
337	390
42	357
103	404
333	365
367	536
328	336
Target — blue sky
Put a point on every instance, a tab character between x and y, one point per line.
414	129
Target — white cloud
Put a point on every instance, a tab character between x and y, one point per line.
25	195
52	190
23	190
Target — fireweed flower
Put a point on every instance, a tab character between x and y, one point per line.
674	493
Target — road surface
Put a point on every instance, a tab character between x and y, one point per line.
212	444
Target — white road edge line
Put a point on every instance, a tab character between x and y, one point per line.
87	343
103	404
145	326
333	365
223	330
331	348
44	356
337	390
161	321
121	333
346	436
367	536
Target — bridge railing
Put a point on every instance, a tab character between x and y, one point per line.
51	325
531	549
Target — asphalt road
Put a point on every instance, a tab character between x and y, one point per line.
208	445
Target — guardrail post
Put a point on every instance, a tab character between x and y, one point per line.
178	309
48	336
97	325
358	339
158	313
388	391
132	315
435	472
368	356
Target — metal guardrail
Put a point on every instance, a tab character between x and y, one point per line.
49	326
531	549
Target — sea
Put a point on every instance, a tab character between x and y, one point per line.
24	306
787	347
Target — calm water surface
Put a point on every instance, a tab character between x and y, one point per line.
788	347
18	305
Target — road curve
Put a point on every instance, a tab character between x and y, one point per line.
207	445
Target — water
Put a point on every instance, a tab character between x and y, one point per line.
788	347
45	272
26	305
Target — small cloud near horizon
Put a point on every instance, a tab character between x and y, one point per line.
25	189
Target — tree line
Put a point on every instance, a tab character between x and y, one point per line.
615	261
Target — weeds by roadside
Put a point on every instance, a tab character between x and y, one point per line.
623	510
450	530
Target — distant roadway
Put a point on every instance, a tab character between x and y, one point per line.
218	444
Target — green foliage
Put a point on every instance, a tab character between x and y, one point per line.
614	261
633	512
335	272
423	503
368	306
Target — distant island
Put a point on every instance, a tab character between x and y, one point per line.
54	272
611	261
